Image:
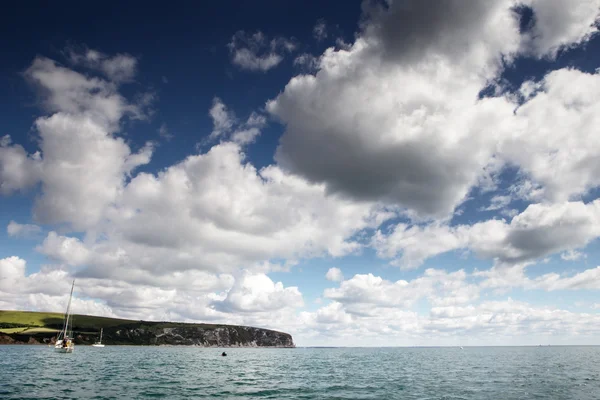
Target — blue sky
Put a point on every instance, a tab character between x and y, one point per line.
396	173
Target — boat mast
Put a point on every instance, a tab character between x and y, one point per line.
69	311
101	329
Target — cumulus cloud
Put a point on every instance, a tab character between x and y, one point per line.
118	68
216	212
11	269
64	249
227	127
197	221
371	128
258	293
554	138
18	170
540	230
398	118
439	287
505	322
22	230
560	24
253	299
498	202
307	61
572	255
222	118
81	163
334	274
255	52
501	277
370	306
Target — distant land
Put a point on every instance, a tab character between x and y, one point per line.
29	327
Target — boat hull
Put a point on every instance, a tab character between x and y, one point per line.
64	349
60	348
97	345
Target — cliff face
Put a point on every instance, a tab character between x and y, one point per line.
158	334
225	336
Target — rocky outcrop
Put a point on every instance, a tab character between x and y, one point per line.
157	333
190	335
17	339
6	339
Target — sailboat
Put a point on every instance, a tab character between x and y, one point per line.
99	342
64	341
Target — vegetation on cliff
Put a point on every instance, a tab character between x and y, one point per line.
40	327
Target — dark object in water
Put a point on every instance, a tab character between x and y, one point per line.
223	354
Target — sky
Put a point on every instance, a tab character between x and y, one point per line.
375	173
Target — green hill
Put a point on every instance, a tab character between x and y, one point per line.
41	327
30	319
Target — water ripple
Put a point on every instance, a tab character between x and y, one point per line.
116	372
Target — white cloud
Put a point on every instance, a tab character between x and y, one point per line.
64	249
196	222
334	274
247	132
540	230
22	230
368	306
253	299
307	61
588	279
363	292
256	52
227	127
258	293
555	136
361	117
222	118
501	277
216	212
498	202
67	91
18	170
11	269
572	255
118	68
83	165
373	118
560	24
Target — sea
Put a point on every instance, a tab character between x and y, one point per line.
131	372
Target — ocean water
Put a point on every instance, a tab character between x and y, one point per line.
128	372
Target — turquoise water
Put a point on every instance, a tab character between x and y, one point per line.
119	372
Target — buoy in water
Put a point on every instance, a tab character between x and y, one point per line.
223	354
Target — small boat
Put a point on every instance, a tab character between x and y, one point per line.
64	341
99	342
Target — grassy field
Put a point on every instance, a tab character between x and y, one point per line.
42	324
13	330
31	331
16	321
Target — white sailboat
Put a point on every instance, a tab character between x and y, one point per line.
99	342
64	341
